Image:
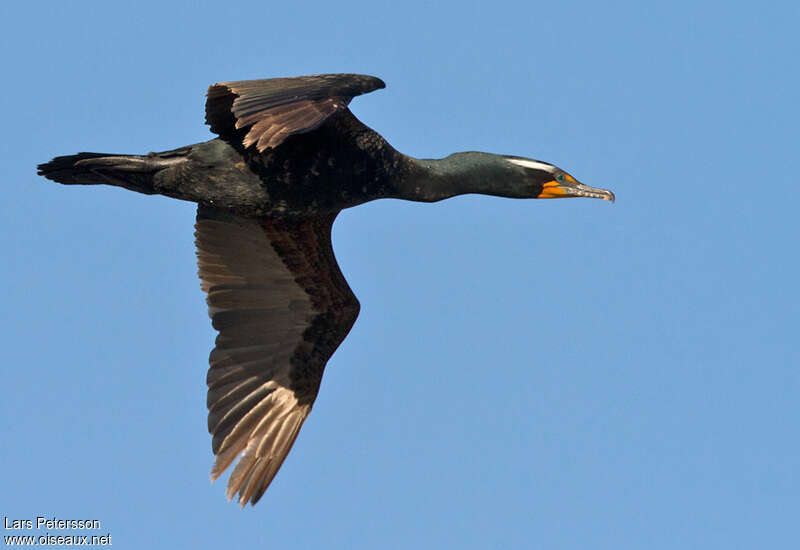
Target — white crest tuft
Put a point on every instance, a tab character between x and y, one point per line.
534	164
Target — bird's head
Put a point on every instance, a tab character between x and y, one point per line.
490	174
541	180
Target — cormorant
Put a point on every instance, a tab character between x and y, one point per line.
289	157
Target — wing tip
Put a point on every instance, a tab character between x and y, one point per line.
378	83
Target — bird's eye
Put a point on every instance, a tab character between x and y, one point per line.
560	178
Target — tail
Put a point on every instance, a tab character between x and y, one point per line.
134	172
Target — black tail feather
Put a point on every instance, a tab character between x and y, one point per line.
67	171
134	172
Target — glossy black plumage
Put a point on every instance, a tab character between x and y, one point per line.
289	158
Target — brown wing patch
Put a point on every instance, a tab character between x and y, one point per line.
282	307
270	110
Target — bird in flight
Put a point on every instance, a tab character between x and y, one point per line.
289	157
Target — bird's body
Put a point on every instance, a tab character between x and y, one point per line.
312	173
289	158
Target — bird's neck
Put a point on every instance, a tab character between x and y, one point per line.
431	180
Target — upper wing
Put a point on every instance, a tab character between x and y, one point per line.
275	108
281	306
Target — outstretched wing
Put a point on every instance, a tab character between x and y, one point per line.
275	108
282	307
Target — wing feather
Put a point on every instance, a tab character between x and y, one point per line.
282	307
265	112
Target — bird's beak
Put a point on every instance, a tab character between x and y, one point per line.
571	187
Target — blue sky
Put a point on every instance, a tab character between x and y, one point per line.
523	374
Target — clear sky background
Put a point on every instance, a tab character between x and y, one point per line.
524	374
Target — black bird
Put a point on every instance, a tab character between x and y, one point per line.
289	157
